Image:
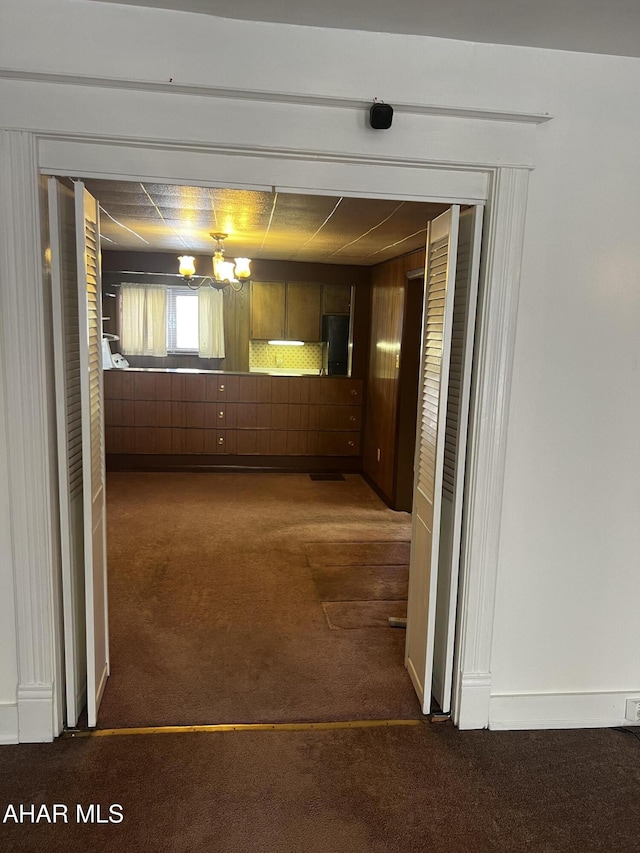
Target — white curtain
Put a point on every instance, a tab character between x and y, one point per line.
143	330
211	322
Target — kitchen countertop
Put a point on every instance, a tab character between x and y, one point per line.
263	371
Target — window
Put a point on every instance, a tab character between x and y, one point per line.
156	320
182	320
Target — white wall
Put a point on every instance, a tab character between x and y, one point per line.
8	665
568	590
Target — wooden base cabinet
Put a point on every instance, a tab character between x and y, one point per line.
164	413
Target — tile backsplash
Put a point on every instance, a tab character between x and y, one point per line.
307	357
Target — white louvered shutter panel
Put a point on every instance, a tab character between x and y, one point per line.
94	299
456	363
431	378
64	282
90	309
457	417
429	462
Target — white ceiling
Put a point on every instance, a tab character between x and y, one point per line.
265	225
591	26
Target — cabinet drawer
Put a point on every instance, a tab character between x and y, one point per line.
336	443
335	417
336	392
225	441
112	384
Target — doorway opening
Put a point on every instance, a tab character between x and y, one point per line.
202	623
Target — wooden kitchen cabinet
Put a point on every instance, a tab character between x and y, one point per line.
303	311
231	415
336	299
286	310
268	310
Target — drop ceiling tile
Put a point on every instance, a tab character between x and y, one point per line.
284	226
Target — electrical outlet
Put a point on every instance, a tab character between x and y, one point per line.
378	455
633	710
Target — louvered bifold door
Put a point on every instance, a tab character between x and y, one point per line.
455	446
442	236
95	562
64	282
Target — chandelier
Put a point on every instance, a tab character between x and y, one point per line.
225	273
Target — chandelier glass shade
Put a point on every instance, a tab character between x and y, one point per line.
187	266
224	272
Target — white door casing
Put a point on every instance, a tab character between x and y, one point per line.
23	323
93	461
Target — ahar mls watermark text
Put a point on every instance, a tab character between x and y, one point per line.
61	813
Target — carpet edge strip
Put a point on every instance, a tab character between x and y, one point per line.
243	727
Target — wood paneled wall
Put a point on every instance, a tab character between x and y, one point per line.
392	387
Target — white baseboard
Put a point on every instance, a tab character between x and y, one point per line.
471	709
559	710
36	713
8	722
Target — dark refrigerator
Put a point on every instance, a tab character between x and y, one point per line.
335	336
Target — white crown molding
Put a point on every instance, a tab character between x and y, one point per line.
264	96
290	155
292	170
22	324
493	357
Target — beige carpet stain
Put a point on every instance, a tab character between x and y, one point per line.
349	615
358	553
361	583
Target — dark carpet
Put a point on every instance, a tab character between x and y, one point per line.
430	789
214	613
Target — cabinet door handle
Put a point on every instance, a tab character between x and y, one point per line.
350	444
221	388
220	414
352	419
221	440
354	393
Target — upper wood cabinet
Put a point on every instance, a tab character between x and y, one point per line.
303	311
336	299
268	315
286	310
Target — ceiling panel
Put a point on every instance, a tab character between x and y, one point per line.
285	226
